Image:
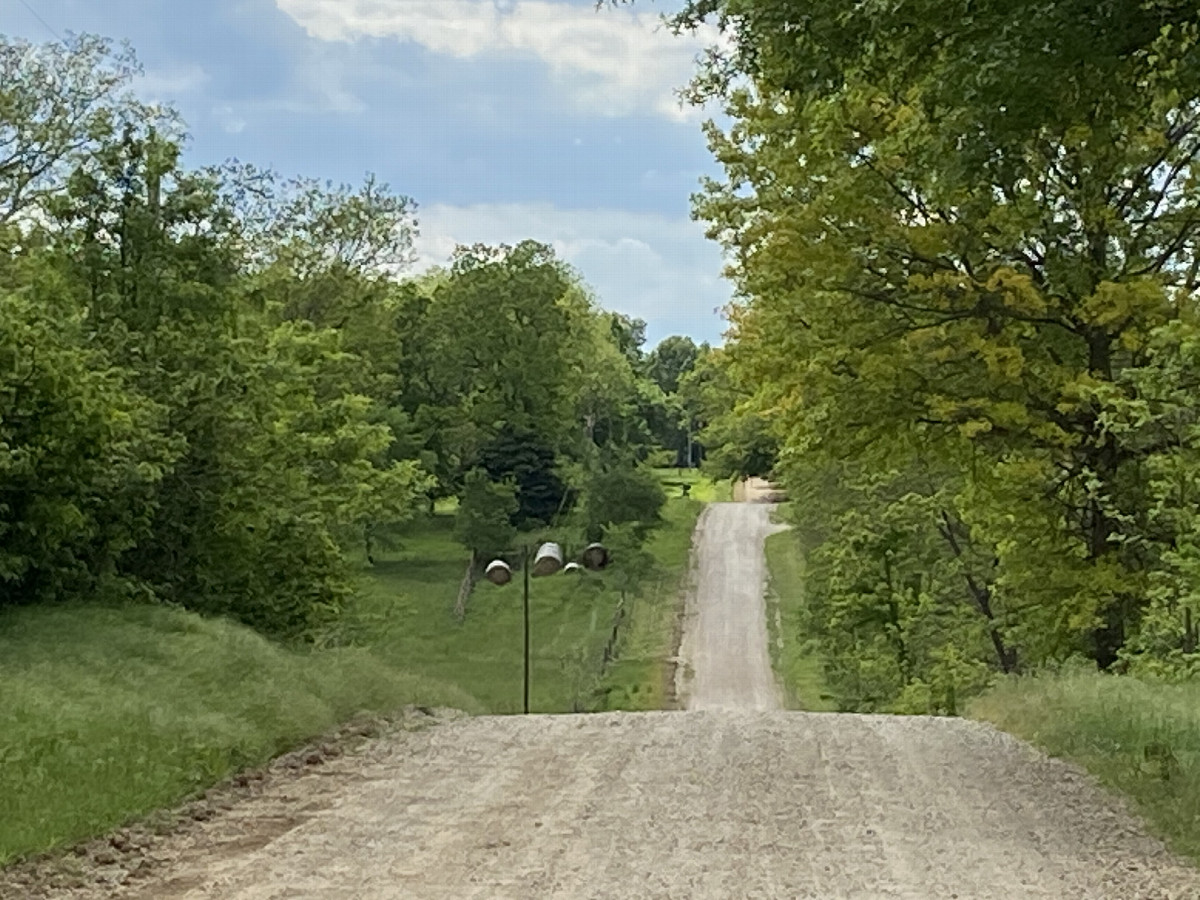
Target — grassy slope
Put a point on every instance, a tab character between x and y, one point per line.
405	616
108	714
637	679
1140	738
795	659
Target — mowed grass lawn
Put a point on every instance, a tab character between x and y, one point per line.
405	615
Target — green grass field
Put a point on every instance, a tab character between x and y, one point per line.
1140	738
637	679
796	660
405	616
108	714
700	486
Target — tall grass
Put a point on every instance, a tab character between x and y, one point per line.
109	713
1141	738
795	657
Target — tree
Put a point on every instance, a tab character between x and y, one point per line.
58	103
81	454
485	513
673	358
672	416
617	494
520	457
959	240
222	457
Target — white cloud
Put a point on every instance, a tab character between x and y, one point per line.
611	61
170	83
228	119
650	266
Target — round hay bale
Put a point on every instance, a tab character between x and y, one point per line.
572	568
595	556
549	559
498	572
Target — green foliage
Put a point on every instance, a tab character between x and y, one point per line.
795	654
738	442
58	102
81	455
214	387
486	509
672	359
524	459
616	494
965	246
175	418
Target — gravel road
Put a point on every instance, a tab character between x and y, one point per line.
730	799
689	805
725	662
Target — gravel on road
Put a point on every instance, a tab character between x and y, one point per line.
732	798
688	805
724	652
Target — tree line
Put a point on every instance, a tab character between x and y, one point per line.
965	242
220	388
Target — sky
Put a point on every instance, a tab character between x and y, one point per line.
503	119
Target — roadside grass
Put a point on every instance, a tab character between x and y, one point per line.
638	679
796	660
108	713
405	616
1140	738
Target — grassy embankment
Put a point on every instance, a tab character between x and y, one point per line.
638	679
796	660
107	714
1140	738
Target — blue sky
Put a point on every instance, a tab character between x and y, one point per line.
504	119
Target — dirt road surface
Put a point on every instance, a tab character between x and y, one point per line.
730	799
724	656
688	805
